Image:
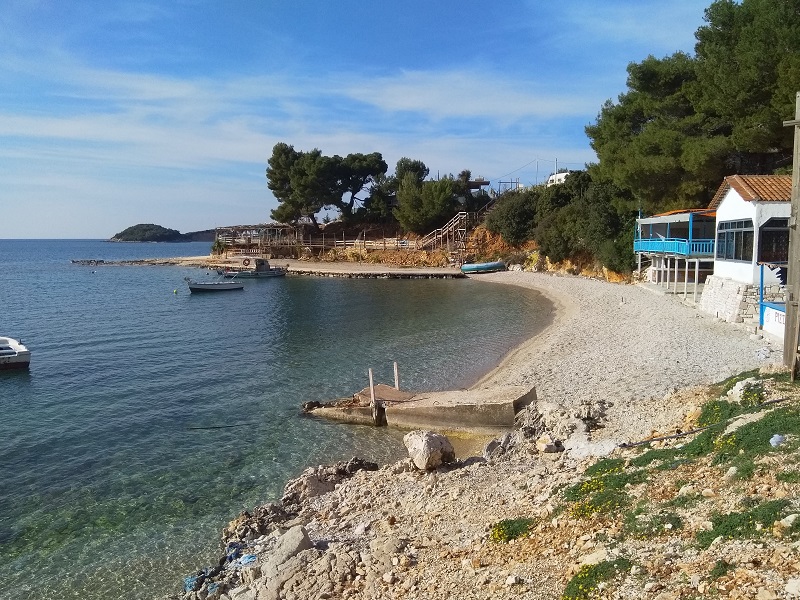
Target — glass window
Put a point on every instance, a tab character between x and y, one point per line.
735	240
774	241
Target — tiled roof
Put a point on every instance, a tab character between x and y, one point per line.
705	212
756	188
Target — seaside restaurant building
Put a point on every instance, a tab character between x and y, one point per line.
669	240
752	251
738	247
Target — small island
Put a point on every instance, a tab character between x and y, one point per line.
148	232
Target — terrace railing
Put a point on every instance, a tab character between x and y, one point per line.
675	246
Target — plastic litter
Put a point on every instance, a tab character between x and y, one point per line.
233	551
776	440
247	559
190	584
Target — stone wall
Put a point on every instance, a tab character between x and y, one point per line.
736	302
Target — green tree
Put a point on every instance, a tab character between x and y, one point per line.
409	211
279	168
306	182
357	173
647	141
513	216
424	206
748	59
686	122
408	165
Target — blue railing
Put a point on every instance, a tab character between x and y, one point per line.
675	246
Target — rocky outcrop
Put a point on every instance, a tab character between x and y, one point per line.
316	481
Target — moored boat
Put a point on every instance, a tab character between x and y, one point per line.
487	267
252	268
13	354
214	286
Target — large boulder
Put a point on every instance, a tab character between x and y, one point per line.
428	450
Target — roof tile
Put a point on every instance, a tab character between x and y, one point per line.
756	188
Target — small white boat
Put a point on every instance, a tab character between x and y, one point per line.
214	286
13	354
252	268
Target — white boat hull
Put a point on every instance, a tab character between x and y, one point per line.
214	286
13	354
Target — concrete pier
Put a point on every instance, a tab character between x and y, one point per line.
481	411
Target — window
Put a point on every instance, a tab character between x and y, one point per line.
735	240
773	241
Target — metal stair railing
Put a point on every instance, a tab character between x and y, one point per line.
454	233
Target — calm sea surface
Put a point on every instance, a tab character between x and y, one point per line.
151	417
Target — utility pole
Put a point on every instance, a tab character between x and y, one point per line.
791	331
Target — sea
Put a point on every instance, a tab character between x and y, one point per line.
150	417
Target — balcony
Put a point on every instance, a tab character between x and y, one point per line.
676	246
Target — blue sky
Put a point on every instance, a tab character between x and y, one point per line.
166	111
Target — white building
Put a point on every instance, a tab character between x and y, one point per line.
752	247
556	178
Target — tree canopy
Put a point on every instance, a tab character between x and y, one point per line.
686	122
306	182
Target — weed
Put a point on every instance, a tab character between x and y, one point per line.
721	567
740	525
511	529
685	501
606	466
642	526
717	411
752	395
602	493
585	583
788	476
752	440
727	385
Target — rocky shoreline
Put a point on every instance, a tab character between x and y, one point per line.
606	373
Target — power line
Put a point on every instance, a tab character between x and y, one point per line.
535	160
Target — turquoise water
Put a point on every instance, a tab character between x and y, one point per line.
151	417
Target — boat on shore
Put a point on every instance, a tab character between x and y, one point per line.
251	268
486	267
223	285
13	354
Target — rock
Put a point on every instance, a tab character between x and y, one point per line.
246	526
793	587
316	481
242	593
498	446
289	544
546	443
595	557
789	520
429	450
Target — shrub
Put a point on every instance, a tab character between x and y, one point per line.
511	529
741	525
586	582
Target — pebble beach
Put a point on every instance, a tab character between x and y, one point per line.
627	346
